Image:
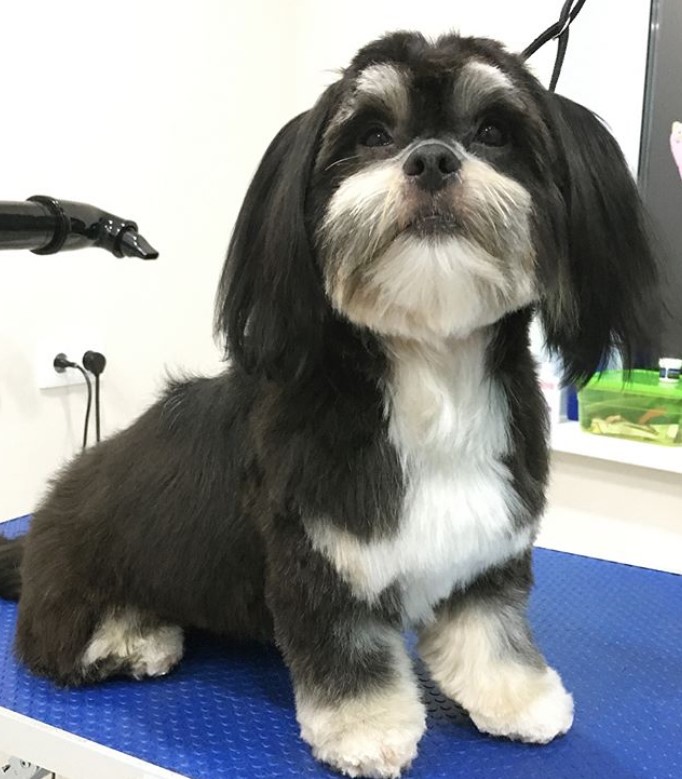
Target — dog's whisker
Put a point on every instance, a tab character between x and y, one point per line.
341	161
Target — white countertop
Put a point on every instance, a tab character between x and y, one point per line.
568	438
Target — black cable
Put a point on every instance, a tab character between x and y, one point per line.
560	31
89	405
559	61
97	420
61	362
553	31
562	45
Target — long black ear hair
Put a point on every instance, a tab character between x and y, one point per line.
270	306
602	297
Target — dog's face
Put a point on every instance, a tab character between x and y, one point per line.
424	188
432	190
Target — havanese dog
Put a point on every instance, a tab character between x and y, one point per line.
375	457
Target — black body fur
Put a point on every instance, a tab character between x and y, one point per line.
143	520
11	553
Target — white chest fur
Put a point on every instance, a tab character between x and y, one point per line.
449	423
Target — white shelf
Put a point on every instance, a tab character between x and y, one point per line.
568	438
69	755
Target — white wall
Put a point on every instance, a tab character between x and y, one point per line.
152	110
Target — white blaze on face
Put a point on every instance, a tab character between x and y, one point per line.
398	283
360	221
366	196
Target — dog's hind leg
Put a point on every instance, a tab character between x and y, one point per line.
129	643
76	641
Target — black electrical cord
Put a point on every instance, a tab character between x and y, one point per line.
61	363
89	404
560	31
97	419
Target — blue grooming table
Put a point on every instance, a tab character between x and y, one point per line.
613	631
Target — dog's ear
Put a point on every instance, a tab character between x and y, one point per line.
270	306
601	296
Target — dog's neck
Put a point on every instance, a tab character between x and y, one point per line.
441	398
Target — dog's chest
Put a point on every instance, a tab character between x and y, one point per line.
448	423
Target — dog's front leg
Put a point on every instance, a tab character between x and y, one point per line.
357	700
481	653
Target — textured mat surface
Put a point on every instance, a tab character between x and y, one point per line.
614	632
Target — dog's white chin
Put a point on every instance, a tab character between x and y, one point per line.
435	288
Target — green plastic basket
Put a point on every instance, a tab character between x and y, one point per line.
639	407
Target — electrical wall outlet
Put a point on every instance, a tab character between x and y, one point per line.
73	345
20	769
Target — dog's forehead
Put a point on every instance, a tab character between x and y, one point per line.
392	82
430	87
387	83
434	75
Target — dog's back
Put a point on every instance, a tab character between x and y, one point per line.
144	524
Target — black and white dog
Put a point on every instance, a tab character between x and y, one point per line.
375	457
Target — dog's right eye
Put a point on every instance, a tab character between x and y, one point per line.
376	136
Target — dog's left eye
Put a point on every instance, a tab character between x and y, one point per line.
492	134
376	136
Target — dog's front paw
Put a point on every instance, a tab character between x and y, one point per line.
536	712
373	737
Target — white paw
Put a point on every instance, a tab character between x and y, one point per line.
369	751
373	737
540	717
125	645
157	653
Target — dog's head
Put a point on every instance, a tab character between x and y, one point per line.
432	190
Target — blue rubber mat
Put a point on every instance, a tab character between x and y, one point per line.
614	632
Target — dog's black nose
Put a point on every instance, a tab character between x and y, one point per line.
432	165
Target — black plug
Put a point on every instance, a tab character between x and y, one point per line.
95	362
61	362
